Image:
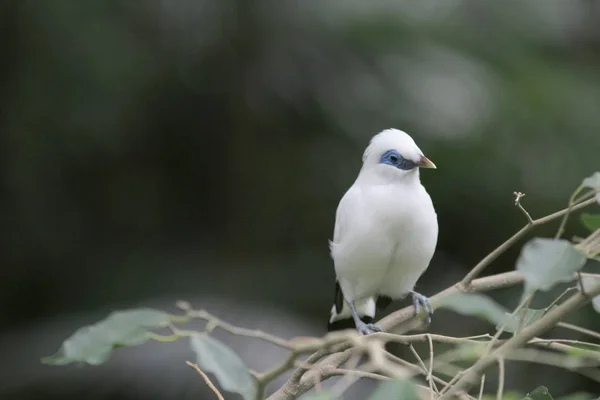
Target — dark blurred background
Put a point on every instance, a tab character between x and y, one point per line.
193	149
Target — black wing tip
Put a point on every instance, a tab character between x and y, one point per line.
383	302
338	298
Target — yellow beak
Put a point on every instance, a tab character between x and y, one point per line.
425	162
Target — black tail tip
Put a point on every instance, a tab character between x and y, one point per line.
347	323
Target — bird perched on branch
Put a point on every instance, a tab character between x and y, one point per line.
385	233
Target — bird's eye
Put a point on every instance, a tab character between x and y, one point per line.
394	158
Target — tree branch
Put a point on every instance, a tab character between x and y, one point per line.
539	327
296	385
579	329
479	285
517	236
501	374
206	380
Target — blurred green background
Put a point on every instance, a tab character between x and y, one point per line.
167	149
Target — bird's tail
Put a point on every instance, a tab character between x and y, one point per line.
341	317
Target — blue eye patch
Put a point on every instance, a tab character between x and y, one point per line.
393	158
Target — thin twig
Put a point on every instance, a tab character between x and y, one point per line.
430	373
206	379
419	359
266	377
451	382
563	222
526	305
535	329
234	330
564	346
516	237
579	329
426	371
343	384
554	359
315	357
518	196
500	378
359	374
564	341
425	337
559	298
306	382
481	385
500	330
351	376
414	368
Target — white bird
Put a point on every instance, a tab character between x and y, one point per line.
385	232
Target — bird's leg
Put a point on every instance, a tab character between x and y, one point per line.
422	301
361	327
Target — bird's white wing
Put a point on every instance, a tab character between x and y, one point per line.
345	213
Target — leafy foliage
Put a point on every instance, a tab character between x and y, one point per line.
471	351
229	369
578	396
528	315
591	221
539	393
592	182
546	262
93	344
505	396
477	305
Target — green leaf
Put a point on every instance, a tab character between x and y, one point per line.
529	316
92	344
505	396
591	221
584	351
215	357
592	181
395	389
589	281
546	262
470	351
539	393
578	396
477	305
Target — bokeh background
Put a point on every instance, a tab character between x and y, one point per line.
194	149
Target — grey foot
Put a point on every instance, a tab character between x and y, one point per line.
367	329
421	301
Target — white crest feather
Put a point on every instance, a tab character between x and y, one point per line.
391	139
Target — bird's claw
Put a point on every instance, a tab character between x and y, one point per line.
422	301
367	329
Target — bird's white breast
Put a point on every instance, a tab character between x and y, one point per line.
387	236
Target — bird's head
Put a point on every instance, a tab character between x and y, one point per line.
393	152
